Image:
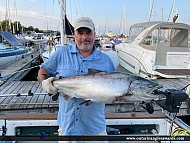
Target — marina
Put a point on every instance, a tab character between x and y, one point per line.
159	53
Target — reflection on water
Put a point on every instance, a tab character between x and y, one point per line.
113	55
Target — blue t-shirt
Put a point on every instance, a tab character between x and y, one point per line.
75	119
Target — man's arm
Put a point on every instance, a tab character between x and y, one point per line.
41	75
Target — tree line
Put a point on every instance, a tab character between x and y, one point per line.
16	27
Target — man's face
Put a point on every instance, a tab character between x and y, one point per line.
84	39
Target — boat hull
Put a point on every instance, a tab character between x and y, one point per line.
156	50
11	55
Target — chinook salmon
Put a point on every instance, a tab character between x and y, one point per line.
106	86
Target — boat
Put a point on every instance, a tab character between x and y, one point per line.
156	49
10	48
105	43
46	54
39	39
66	30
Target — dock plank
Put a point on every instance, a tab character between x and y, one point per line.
173	83
7	88
35	89
27	98
47	100
41	98
19	99
16	91
11	90
34	98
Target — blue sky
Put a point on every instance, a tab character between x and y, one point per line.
106	14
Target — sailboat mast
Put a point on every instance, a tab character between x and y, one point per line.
151	9
62	4
171	11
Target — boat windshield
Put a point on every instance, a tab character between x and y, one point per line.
133	33
173	37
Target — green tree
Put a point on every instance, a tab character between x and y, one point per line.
5	26
36	30
30	28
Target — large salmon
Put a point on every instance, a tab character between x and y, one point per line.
106	86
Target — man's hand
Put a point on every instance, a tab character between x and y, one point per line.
48	87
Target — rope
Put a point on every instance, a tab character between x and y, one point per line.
179	131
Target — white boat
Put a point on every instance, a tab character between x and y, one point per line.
105	43
8	55
123	129
156	49
12	51
39	39
48	53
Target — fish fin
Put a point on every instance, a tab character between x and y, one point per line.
93	71
86	102
66	96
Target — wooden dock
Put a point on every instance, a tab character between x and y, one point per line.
13	86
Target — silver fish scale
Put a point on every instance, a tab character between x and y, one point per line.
104	86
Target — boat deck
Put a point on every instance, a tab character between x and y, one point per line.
173	73
11	101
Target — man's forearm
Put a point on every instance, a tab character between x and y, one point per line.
41	75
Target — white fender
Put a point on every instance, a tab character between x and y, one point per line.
188	90
137	69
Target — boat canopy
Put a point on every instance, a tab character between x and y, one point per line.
10	38
136	29
168	35
142	30
146	24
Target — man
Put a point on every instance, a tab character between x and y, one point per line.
72	60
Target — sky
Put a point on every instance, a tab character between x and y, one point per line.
108	15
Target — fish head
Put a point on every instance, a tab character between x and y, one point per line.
143	88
